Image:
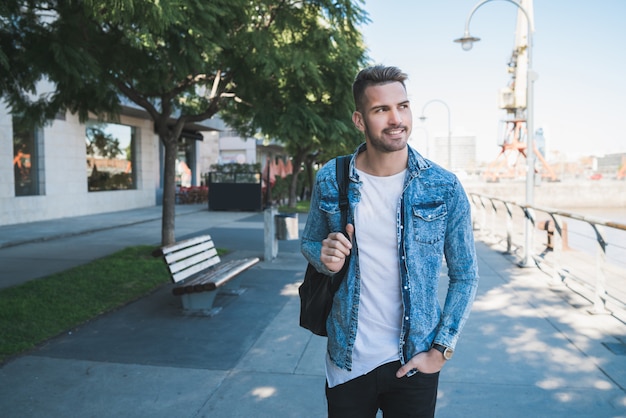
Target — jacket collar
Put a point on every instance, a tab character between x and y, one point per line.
416	163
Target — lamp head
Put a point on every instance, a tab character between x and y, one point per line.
467	41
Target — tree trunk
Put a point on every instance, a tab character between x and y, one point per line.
310	178
293	187
169	192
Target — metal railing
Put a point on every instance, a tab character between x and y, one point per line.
585	253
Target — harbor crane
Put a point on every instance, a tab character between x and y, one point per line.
512	98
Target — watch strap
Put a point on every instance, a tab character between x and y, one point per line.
445	351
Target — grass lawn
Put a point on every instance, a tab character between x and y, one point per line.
40	309
302	206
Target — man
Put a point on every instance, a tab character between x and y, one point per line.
387	335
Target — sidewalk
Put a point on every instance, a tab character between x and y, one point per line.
528	349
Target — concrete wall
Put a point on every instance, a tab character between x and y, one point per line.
207	152
7	183
237	149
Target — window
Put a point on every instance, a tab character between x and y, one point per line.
110	153
25	167
184	162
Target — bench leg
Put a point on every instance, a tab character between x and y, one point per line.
200	303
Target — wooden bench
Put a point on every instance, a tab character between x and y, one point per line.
196	269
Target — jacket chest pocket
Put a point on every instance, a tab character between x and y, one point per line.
429	221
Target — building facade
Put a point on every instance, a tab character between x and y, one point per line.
462	154
67	168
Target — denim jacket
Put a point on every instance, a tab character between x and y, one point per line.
433	221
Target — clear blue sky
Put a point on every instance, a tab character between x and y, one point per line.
579	54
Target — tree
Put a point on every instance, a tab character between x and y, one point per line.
306	100
181	61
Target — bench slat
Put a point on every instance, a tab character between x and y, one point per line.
216	277
172	257
235	269
184	244
189	257
208	256
182	275
213	278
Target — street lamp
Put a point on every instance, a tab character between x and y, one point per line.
423	118
466	43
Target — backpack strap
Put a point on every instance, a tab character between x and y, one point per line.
342	167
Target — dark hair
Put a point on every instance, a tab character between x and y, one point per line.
373	76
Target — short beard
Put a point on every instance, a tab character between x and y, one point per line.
377	143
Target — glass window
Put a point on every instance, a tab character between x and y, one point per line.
110	151
184	162
25	158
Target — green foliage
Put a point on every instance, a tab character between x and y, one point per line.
154	53
281	188
303	206
305	100
234	173
308	65
102	181
282	68
40	309
290	65
101	144
169	55
236	168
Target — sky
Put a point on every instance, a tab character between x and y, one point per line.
579	55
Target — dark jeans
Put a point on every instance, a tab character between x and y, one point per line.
362	397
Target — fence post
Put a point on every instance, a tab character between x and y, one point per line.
509	228
529	225
494	218
483	215
600	288
557	248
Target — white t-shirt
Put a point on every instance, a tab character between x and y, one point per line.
380	304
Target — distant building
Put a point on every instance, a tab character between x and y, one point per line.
234	148
463	152
610	164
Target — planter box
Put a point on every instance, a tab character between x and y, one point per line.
235	191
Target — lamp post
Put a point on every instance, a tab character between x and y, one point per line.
466	43
423	118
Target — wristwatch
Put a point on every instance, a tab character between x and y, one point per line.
446	351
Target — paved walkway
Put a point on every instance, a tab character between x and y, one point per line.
529	349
